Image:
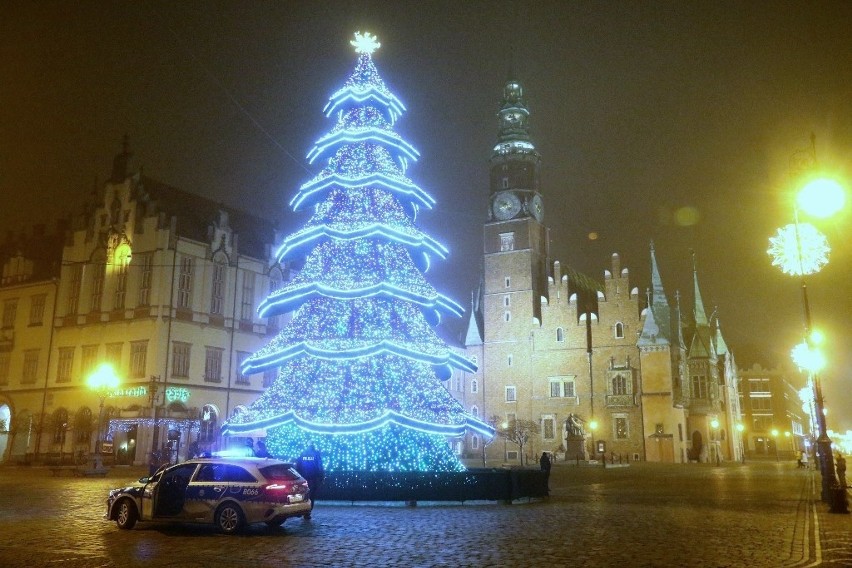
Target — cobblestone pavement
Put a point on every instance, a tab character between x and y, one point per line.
757	514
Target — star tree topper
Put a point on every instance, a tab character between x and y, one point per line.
365	43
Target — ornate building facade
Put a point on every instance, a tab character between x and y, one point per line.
161	284
581	368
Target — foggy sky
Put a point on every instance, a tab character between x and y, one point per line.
638	109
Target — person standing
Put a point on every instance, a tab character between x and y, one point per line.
309	465
261	451
544	462
840	467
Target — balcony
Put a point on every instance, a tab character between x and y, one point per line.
620	400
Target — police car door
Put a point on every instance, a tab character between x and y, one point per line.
205	491
169	495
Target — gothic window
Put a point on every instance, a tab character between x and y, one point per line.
507	282
474	442
560	334
507	316
699	386
474	386
619	385
506	300
619	330
474	411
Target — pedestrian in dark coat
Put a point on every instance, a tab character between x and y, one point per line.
309	465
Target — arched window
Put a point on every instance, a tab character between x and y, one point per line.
474	386
474	411
209	424
59	424
619	385
619	330
560	334
83	425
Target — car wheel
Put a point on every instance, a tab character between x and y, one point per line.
229	518
126	515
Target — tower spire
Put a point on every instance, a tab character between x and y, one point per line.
700	314
657	327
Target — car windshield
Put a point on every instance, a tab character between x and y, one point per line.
279	472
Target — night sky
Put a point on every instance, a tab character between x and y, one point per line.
642	112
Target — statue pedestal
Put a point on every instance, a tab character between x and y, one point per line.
576	449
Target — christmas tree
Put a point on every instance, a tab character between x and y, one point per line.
360	366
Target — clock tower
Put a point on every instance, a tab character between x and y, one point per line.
516	240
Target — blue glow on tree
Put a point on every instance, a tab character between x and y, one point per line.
359	363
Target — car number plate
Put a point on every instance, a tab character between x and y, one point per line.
296	498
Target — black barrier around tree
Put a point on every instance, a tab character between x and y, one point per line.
470	485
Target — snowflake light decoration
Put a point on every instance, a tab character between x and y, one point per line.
365	43
799	250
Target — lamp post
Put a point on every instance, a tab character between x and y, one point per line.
593	426
716	443
799	250
740	429
103	381
775	442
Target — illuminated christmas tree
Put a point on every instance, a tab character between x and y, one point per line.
360	366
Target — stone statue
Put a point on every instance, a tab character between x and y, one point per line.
574	426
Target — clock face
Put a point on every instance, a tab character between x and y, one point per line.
537	208
506	205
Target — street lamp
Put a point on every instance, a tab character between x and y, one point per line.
103	381
716	443
800	249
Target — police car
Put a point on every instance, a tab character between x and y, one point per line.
228	492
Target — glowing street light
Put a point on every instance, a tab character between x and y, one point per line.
104	382
800	249
716	444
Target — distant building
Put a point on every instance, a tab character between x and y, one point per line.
160	283
776	424
579	364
